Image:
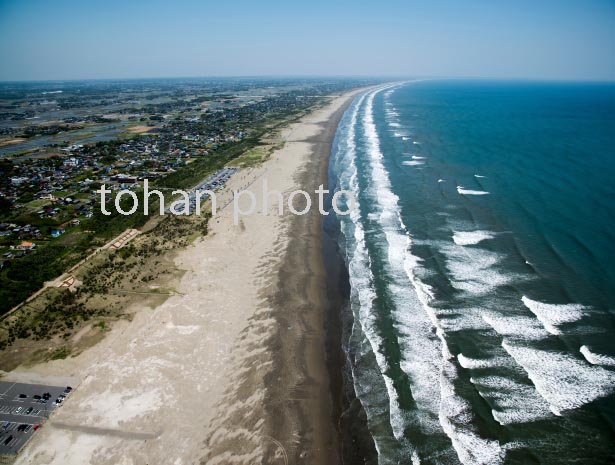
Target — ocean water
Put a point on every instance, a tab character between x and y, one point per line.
481	264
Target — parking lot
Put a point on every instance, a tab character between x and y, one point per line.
212	183
23	409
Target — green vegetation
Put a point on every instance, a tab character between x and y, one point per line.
55	256
255	156
21	278
190	175
60	353
52	257
105	286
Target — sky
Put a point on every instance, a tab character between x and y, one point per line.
92	39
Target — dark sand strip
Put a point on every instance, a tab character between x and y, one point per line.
301	412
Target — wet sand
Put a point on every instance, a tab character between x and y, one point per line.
300	406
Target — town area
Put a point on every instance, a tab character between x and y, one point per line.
60	141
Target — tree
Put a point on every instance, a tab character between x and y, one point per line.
5	206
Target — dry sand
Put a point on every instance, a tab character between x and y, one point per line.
230	371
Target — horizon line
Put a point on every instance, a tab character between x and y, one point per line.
313	76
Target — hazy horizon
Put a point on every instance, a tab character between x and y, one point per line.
319	76
69	40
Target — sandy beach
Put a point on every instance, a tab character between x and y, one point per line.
232	369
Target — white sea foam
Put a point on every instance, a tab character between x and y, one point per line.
462	319
471	237
456	412
473	363
441	180
464	191
597	359
512	401
553	315
416	157
394	124
479	176
419	345
413	163
515	326
512	398
416	142
361	280
561	379
473	270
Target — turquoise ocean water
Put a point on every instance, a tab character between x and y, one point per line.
481	263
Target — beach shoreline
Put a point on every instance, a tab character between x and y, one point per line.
234	365
303	355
